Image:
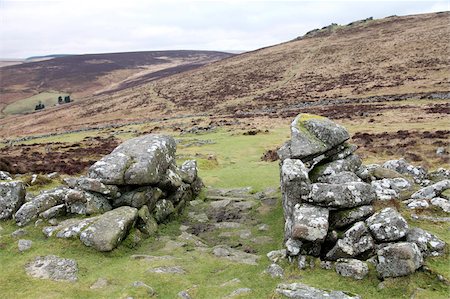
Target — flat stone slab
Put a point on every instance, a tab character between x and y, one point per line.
235	255
53	267
303	291
167	270
346	195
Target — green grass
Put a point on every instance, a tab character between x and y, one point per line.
234	161
49	99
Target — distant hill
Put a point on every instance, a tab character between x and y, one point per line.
85	75
385	57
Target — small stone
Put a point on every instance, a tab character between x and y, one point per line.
352	268
442	203
239	292
327	265
276	255
167	270
418	204
99	284
235	255
398	259
432	191
275	270
19	233
24	245
198	217
303	291
183	295
263	227
310	222
139	284
429	244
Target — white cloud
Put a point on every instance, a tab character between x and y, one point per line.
30	28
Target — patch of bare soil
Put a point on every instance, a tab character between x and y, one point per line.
65	158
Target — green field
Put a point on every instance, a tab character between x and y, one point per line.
230	160
49	99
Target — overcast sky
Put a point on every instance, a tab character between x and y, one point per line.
30	28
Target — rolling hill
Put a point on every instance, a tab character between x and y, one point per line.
85	75
390	58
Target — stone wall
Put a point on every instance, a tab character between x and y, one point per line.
327	197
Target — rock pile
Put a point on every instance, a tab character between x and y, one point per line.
137	185
327	197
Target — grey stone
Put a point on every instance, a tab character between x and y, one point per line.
171	180
439	174
99	284
5	176
432	191
356	240
442	203
293	246
220	204
167	270
346	195
429	244
350	163
24	245
239	292
339	178
263	227
306	261
163	209
275	270
313	135
384	191
12	197
200	217
54	212
53	267
276	255
70	228
151	257
418	204
182	193
94	185
398	259
19	233
109	229
42	202
138	161
188	171
138	197
387	225
86	203
235	255
309	222
231	282
327	265
343	218
184	295
227	224
141	285
146	223
191	239
404	167
302	291
294	184
352	268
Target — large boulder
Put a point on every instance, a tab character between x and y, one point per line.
432	191
39	204
313	135
138	161
356	240
346	195
310	222
429	244
70	228
398	259
109	229
387	225
12	196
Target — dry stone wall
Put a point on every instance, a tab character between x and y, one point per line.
327	197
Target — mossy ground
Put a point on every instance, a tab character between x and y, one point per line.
232	160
